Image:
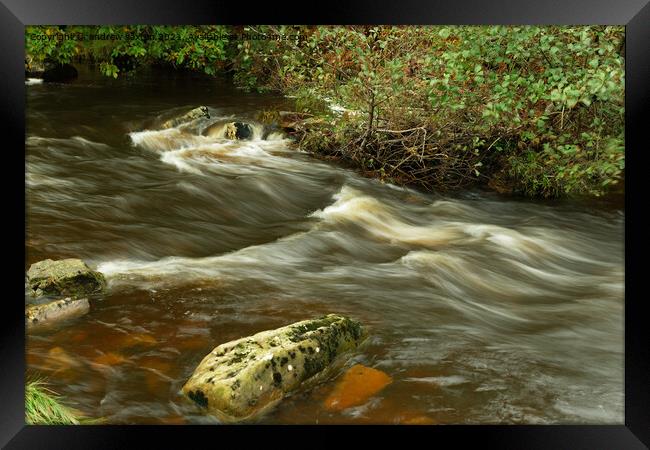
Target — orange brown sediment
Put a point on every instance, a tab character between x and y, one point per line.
110	359
136	339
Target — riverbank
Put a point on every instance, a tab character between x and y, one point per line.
535	111
613	198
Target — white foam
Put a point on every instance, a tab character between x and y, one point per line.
188	152
176	159
75	140
452	380
276	136
252	261
88	143
381	221
250	150
165	140
34	179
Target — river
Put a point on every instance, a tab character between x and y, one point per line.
482	308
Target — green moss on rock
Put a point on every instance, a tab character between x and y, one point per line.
283	361
69	277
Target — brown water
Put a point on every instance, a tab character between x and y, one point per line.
482	309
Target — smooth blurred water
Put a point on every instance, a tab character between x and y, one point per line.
482	309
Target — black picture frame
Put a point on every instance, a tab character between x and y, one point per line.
634	14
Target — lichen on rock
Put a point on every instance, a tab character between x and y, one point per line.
68	277
242	379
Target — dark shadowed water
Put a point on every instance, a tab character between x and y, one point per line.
481	308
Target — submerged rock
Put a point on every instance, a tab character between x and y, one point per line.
59	73
70	277
230	130
37	315
196	113
243	378
109	359
356	386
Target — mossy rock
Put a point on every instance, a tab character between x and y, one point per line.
65	277
238	130
47	313
196	113
242	379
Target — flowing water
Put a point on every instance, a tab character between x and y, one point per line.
482	309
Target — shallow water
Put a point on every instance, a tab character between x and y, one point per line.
482	309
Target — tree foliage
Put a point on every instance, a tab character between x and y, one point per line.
540	109
118	49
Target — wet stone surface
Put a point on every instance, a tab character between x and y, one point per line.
70	277
240	379
48	313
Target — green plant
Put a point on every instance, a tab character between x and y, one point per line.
43	407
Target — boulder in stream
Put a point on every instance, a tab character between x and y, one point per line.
70	277
242	379
196	113
238	130
67	308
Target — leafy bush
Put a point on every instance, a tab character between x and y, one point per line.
195	47
445	107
